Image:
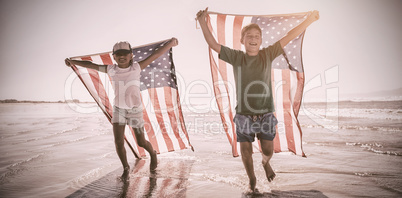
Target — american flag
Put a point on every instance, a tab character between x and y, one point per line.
287	75
164	122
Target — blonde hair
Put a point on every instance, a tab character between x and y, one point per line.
249	27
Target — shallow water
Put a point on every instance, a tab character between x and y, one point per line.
49	150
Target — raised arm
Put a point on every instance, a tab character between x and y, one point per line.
292	34
86	64
201	17
172	43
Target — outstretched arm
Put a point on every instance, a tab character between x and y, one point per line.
201	17
144	63
86	64
292	34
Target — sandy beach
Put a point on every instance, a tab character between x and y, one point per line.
344	70
49	150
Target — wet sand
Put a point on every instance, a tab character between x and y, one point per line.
48	150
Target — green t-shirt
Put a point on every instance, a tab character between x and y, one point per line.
252	76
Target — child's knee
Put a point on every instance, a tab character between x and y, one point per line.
141	143
268	152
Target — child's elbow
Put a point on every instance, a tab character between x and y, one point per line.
216	48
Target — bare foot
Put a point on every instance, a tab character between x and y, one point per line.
269	172
154	161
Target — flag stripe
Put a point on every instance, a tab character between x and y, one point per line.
281	132
159	117
218	95
297	97
154	122
150	131
166	117
277	143
99	88
221	29
224	98
106	59
299	93
287	109
237	26
84	77
180	116
228	22
172	115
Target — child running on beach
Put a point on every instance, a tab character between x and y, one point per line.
255	105
127	107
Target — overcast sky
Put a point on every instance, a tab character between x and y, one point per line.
361	38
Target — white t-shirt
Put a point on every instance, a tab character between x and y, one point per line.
126	85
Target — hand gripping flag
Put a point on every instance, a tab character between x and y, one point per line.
164	122
287	75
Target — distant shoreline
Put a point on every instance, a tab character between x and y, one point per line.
40	101
11	101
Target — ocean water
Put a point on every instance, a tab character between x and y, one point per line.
353	149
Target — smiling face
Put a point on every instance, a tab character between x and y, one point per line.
251	39
123	58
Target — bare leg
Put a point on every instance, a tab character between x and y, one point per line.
118	132
267	152
247	158
142	142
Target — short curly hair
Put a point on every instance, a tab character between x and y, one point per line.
249	27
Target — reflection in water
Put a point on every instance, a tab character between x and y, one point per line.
292	193
169	179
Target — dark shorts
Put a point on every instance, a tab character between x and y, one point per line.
249	126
